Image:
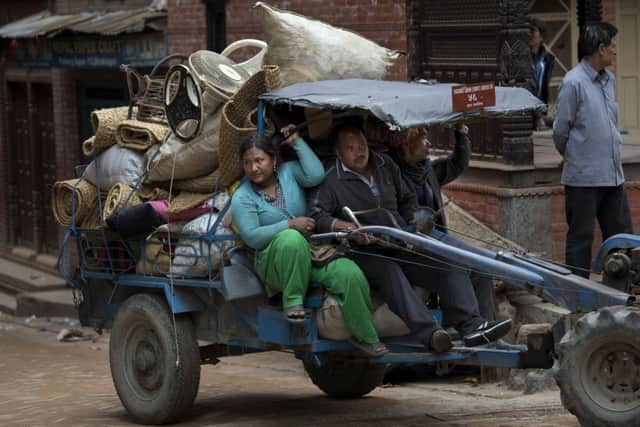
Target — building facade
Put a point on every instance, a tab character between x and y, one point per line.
59	60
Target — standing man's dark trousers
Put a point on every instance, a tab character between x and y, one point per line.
585	204
394	282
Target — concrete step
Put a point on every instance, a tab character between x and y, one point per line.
8	303
58	303
16	277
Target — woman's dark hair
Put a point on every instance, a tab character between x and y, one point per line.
258	141
593	36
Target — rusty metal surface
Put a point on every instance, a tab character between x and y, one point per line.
125	21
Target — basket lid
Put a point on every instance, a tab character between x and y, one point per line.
218	70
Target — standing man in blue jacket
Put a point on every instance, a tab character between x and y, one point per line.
585	132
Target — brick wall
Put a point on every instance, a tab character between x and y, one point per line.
4	177
187	26
65	118
66	125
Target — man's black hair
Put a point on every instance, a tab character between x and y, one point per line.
593	36
537	24
345	126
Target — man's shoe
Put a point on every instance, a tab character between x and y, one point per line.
440	341
487	332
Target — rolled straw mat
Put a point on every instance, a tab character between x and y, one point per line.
202	184
88	146
120	195
186	200
139	135
105	123
86	199
232	125
152	192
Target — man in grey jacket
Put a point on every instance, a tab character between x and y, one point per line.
585	132
363	180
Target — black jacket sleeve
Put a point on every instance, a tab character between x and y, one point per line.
447	168
406	196
322	206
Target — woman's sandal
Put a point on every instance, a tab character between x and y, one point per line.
295	314
372	350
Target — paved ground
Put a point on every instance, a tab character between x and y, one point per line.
44	382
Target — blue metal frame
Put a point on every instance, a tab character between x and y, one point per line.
619	241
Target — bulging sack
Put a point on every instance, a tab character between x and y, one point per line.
310	50
331	321
117	164
193	159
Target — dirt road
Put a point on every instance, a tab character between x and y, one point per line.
44	382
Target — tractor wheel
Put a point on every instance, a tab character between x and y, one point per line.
155	367
343	375
598	370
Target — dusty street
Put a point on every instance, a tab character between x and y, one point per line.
44	382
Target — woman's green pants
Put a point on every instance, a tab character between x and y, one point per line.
285	265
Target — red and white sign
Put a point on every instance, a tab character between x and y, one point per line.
473	96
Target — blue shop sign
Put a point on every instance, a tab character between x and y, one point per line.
138	50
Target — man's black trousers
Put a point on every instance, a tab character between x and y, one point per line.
583	205
393	280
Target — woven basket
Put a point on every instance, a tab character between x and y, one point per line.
272	79
185	201
120	196
86	199
105	123
232	125
138	135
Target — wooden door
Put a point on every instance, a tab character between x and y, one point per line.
21	181
45	143
628	64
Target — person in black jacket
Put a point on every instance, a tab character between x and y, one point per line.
542	61
426	177
363	180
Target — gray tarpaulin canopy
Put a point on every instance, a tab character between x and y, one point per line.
399	104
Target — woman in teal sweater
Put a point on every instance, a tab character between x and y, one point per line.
268	209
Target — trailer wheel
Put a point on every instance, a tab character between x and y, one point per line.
343	375
155	368
598	370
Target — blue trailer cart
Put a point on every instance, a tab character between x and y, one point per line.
159	322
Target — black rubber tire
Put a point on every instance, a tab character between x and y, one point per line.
598	370
143	354
343	375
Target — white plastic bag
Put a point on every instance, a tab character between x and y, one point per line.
116	164
310	50
194	256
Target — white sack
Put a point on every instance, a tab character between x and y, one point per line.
310	50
